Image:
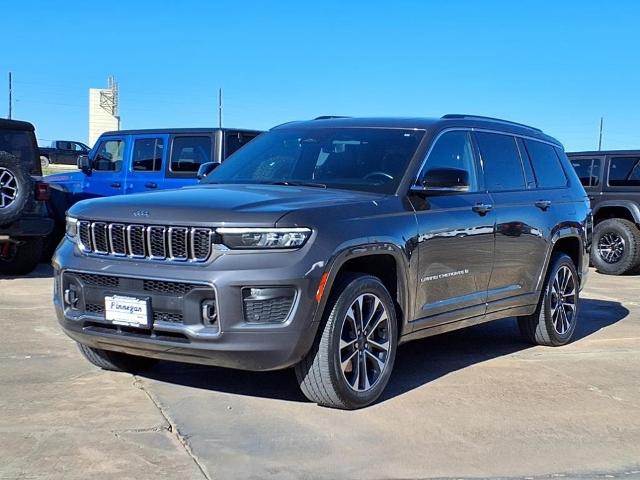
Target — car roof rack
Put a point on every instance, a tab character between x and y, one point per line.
491	119
328	117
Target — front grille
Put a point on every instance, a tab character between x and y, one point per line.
173	288
98	280
167	317
153	242
94	308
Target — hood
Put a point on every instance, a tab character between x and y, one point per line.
215	205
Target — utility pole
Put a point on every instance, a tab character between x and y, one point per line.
220	107
10	94
600	139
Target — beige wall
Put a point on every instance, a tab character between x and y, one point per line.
100	120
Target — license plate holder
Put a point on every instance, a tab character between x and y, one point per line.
127	310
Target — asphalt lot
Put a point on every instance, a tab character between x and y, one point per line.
472	403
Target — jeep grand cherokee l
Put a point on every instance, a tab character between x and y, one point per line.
325	244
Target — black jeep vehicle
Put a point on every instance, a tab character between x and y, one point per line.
612	181
325	244
24	220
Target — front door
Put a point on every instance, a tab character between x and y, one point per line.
108	173
455	239
145	171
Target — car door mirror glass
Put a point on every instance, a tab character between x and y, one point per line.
84	163
205	169
444	180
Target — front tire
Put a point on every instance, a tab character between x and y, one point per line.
616	246
351	360
554	320
116	361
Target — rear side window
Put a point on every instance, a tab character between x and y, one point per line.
624	172
546	164
500	161
188	153
147	154
588	170
19	143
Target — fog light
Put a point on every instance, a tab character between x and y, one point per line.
267	305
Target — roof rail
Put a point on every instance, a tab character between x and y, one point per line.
328	117
491	119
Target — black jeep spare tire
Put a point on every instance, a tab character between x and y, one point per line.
16	188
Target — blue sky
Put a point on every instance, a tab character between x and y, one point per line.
556	65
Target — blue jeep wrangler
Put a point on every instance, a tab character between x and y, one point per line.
133	161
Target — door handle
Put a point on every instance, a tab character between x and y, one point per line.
543	204
482	208
151	185
116	185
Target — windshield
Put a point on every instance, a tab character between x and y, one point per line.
368	159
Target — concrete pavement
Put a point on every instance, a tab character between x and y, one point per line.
472	403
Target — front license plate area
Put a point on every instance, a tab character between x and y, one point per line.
128	311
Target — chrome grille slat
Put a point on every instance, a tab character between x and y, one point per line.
150	242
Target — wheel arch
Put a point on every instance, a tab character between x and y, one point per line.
384	261
571	243
616	209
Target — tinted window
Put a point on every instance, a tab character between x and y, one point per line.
365	159
546	164
18	143
500	161
188	153
147	155
108	156
588	170
624	172
235	140
453	150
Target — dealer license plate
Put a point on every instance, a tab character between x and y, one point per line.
129	311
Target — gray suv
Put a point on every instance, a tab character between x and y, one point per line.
324	244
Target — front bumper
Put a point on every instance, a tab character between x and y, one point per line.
177	330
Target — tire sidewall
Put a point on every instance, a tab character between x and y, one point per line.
557	338
25	188
357	287
622	265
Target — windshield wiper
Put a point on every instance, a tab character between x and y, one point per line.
299	184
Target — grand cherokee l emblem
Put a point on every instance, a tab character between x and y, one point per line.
141	213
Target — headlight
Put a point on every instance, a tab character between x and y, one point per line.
258	238
71	227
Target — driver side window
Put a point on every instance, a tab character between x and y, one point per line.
108	156
453	150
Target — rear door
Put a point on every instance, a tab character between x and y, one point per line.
108	174
186	154
148	157
520	229
589	171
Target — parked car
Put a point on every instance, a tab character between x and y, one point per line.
133	161
24	220
612	181
62	152
325	244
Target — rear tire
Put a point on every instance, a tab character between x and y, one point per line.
351	360
116	361
554	320
23	258
616	246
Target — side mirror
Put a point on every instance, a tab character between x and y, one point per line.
205	169
84	163
444	180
